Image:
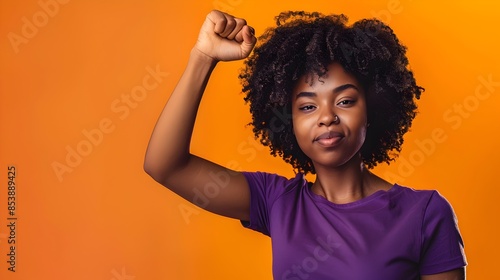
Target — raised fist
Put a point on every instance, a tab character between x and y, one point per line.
224	37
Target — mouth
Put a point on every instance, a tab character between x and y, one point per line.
329	139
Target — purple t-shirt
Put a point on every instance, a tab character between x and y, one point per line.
396	234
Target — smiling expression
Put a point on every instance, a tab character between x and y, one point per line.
329	116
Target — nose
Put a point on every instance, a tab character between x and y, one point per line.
327	118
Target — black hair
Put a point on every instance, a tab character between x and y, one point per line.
305	42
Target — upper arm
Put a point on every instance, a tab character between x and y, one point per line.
211	186
457	274
442	247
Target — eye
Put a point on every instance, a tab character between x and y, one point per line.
346	102
307	108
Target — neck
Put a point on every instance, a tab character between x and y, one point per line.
343	184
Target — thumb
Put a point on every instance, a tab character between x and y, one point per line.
249	39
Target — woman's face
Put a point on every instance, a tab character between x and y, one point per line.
329	116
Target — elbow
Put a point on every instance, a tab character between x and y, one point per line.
161	173
148	169
153	171
160	170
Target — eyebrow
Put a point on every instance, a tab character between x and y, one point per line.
335	91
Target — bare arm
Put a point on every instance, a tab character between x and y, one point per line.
168	159
457	274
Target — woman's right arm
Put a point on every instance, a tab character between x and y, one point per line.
168	159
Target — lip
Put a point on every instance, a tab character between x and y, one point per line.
329	139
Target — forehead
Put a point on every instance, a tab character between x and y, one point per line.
334	77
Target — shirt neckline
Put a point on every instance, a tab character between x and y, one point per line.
358	203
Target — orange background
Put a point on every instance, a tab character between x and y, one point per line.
106	219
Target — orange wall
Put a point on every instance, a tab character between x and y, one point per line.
71	82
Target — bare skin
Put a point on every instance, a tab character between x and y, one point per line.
168	159
334	103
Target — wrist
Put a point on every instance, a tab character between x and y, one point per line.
201	57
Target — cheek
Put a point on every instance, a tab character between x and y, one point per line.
301	130
361	132
363	135
357	125
301	125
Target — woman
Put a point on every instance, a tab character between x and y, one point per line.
349	98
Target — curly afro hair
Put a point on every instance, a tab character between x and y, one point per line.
304	43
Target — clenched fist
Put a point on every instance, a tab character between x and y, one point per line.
224	37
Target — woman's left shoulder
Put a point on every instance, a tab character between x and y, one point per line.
413	193
428	198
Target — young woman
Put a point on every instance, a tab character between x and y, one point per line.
351	98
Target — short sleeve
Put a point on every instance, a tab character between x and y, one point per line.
265	189
442	244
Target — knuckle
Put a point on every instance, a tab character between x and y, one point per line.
243	21
231	23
